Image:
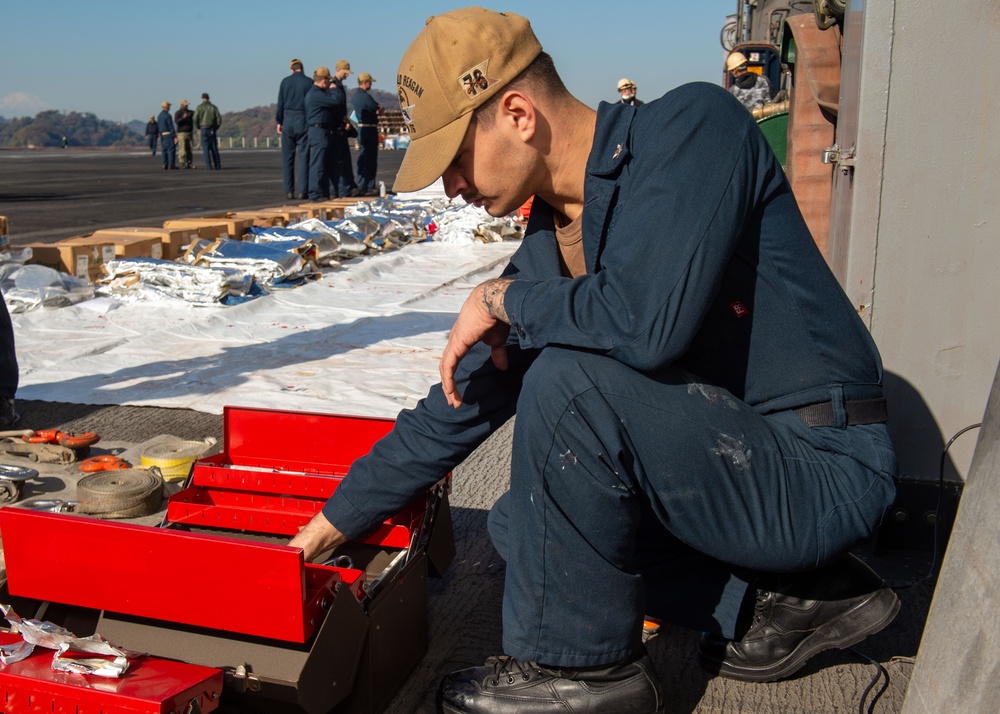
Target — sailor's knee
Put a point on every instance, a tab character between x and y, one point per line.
554	379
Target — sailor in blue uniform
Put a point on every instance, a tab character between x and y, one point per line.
343	178
291	118
321	109
367	111
168	137
700	430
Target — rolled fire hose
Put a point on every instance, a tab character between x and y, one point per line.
128	493
174	458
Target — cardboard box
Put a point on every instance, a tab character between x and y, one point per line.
289	214
136	246
172	241
257	218
349	200
323	211
46	254
4	236
212	226
81	256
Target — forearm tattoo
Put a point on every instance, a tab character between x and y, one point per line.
493	292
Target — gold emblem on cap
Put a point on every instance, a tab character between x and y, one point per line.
477	80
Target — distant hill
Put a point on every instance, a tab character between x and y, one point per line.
386	99
49	127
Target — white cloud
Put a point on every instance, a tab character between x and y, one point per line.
21	104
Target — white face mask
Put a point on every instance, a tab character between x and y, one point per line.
628	96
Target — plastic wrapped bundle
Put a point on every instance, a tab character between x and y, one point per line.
269	265
28	287
401	222
347	245
151	279
322	247
463	225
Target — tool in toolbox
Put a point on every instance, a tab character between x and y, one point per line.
175	457
54	436
103	462
46	453
47	445
285	635
120	493
12	478
50	505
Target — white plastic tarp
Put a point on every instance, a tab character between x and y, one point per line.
363	340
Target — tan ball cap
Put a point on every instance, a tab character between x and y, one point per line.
624	83
458	61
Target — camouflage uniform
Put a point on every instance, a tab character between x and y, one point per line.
759	93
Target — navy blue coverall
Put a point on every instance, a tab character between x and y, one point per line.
321	108
366	109
343	178
168	135
657	462
9	374
291	117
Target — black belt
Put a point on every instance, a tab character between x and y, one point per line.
320	126
859	411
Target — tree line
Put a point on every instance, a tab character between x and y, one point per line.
47	128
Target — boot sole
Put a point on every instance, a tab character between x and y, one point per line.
445	709
865	619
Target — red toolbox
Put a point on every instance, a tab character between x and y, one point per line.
151	686
215	585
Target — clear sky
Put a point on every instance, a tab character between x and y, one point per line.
120	59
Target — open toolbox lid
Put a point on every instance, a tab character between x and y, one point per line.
276	471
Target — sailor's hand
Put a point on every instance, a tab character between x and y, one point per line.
482	319
317	536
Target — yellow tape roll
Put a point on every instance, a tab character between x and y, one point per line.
175	458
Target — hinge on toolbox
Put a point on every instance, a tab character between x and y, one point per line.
241	680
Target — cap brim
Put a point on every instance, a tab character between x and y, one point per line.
427	157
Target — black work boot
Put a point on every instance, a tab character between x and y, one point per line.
800	615
509	686
8	414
